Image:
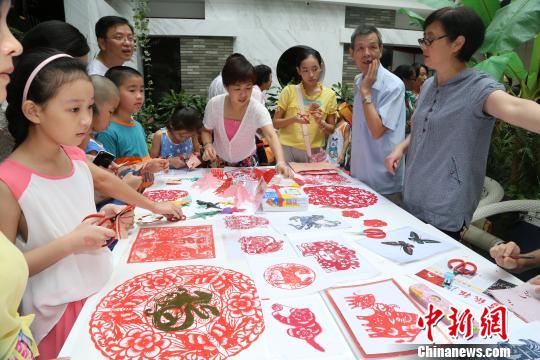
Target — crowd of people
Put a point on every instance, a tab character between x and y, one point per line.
65	113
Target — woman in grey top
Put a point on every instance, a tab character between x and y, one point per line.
451	128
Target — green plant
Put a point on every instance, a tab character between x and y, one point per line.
514	157
343	93
272	97
154	117
142	39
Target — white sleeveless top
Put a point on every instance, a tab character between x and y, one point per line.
53	207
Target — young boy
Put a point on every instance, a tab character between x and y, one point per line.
125	137
106	100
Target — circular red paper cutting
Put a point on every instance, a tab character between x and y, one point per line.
289	276
341	197
165	195
120	329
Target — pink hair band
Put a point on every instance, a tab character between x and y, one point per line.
37	70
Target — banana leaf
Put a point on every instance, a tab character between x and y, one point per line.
414	18
486	9
437	4
513	25
496	66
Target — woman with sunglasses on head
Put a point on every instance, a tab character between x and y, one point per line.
306	113
451	128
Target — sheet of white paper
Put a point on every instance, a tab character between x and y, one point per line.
403	246
520	300
277	278
303	328
334	255
486	274
308	221
379	316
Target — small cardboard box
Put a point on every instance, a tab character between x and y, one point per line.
284	199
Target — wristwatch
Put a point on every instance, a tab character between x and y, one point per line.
367	100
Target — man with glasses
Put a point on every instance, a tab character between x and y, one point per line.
378	115
115	40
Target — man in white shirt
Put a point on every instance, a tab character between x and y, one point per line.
378	115
115	40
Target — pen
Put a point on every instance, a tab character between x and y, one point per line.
516	257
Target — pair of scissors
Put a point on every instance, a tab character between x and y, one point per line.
112	222
374	233
458	267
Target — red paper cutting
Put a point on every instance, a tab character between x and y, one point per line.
352	214
260	244
304	324
341	197
375	223
173	243
385	321
244	222
251	174
120	329
331	255
330	179
165	195
289	276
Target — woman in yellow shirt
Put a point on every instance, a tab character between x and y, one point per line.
309	103
16	341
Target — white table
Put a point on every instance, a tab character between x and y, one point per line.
80	346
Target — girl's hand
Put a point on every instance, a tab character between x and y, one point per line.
209	152
341	159
317	114
392	161
169	209
502	254
193	161
126	220
283	169
88	236
156	165
176	163
133	181
301	118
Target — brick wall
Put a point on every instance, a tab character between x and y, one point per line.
355	16
201	60
349	68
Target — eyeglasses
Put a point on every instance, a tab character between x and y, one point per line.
122	38
428	41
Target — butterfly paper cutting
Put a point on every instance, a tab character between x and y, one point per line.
406	247
415	238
